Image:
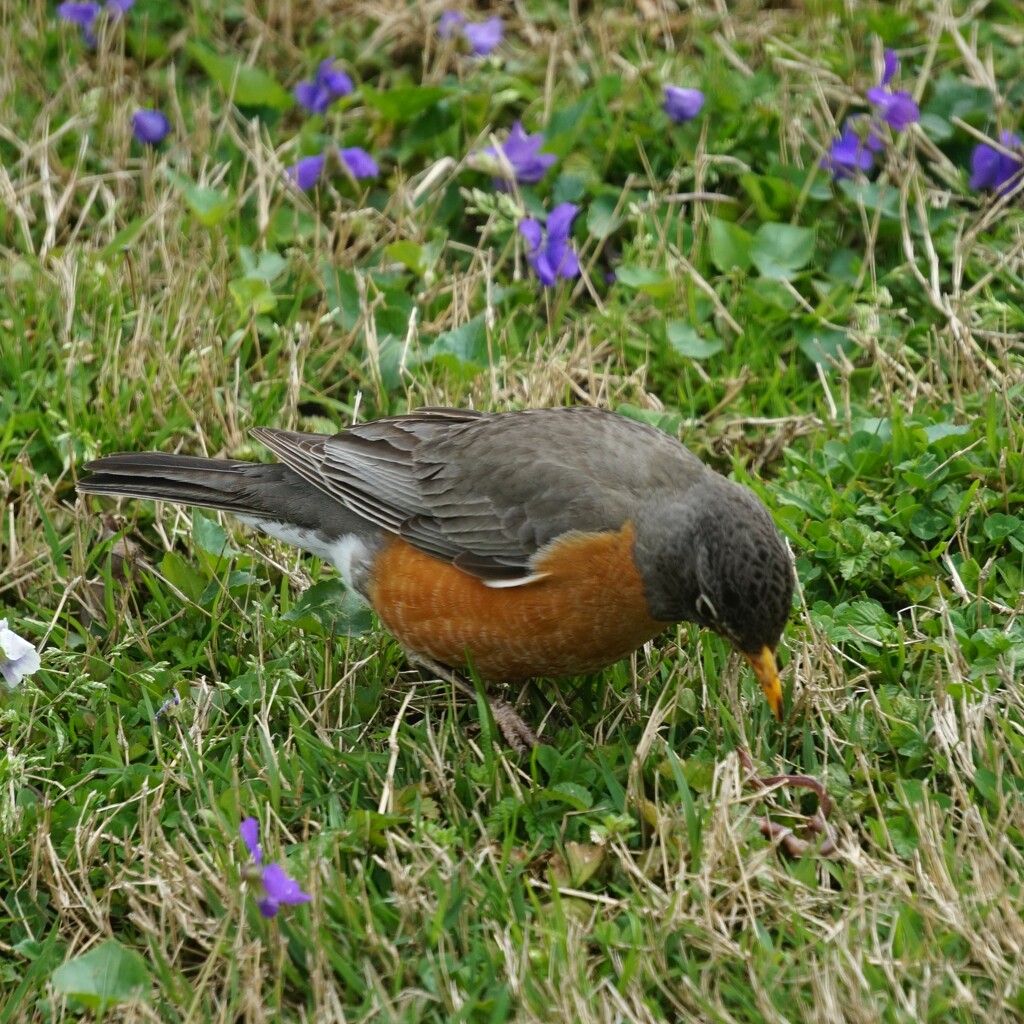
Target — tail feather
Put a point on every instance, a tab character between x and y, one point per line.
242	488
269	496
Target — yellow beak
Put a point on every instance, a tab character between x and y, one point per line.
767	675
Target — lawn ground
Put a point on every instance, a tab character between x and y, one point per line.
853	349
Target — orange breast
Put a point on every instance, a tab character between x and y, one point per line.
589	610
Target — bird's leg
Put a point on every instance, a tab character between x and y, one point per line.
519	736
816	823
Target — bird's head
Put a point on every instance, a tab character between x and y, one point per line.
715	557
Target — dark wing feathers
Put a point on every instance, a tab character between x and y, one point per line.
489	490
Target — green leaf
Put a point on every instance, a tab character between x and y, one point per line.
766	296
252	296
576	796
865	615
999	526
30	949
874	195
182	576
685	340
937	431
209	536
395	360
238	580
938	129
987	784
843	266
464	347
267	265
772	197
125	238
291	226
329	608
106	976
568	188
602	218
403	104
928	523
823	345
953	97
566	123
904	838
209	205
668	422
247	86
371	827
730	245
407	253
780	251
656	283
341	288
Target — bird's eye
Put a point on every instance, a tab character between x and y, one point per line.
705	609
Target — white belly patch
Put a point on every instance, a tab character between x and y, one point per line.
350	554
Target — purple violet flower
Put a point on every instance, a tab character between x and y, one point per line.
307	172
551	255
18	658
682	105
328	85
81	14
896	108
993	169
450	23
150	126
483	37
851	152
358	162
890	65
278	889
171	702
310	169
520	155
85	14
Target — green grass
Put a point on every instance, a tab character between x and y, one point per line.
852	351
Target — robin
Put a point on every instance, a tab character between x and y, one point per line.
547	542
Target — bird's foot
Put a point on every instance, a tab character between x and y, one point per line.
518	735
817	823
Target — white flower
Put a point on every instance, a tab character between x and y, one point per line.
18	658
